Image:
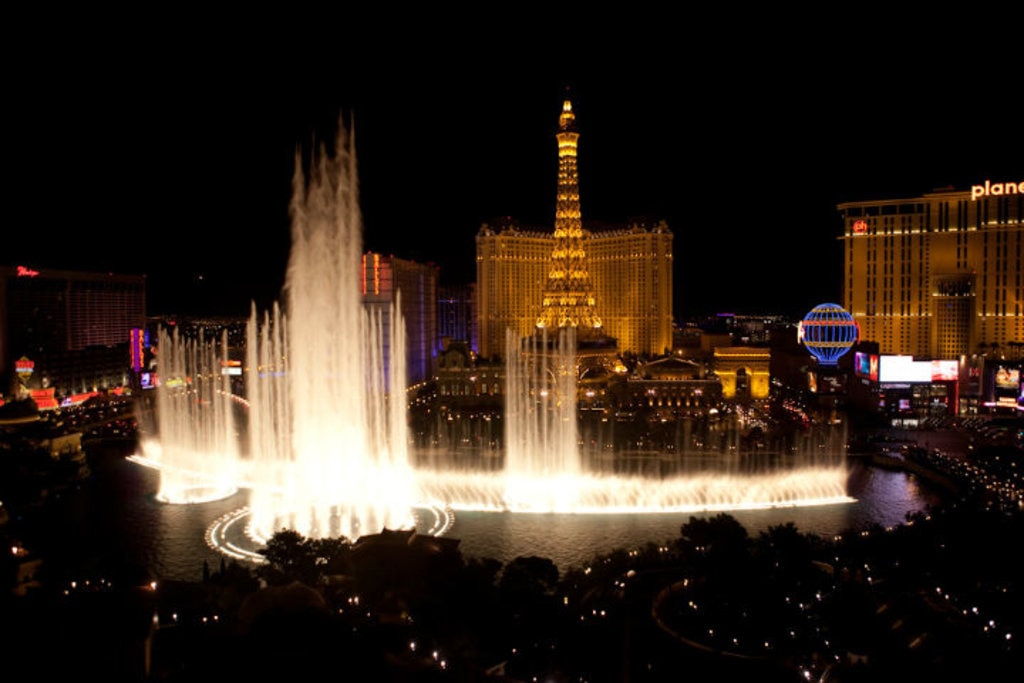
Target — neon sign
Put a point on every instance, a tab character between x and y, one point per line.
860	226
137	339
996	189
26	272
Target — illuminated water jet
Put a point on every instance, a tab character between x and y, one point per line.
542	459
197	449
327	450
321	424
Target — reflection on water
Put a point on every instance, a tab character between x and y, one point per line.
884	497
117	516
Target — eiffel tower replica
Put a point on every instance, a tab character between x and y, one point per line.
568	296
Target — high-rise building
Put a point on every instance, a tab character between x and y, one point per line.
456	315
632	272
67	332
615	283
940	275
385	279
511	270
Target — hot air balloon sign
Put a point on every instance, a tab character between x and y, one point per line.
828	331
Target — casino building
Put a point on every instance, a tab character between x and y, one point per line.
618	280
936	284
64	333
940	275
386	280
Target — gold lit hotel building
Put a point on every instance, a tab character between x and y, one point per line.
937	276
629	270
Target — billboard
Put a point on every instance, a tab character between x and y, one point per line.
903	369
1007	378
826	383
1002	385
906	369
137	344
945	371
231	367
865	365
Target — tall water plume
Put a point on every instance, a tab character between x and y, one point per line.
324	450
327	416
542	455
198	444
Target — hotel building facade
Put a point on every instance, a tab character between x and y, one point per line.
937	276
386	280
631	272
67	332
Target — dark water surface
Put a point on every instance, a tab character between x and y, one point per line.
882	496
115	517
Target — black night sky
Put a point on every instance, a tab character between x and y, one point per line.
168	150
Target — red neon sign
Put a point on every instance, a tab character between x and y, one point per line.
26	272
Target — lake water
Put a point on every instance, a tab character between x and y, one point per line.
115	516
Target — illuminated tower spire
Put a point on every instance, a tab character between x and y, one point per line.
568	296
